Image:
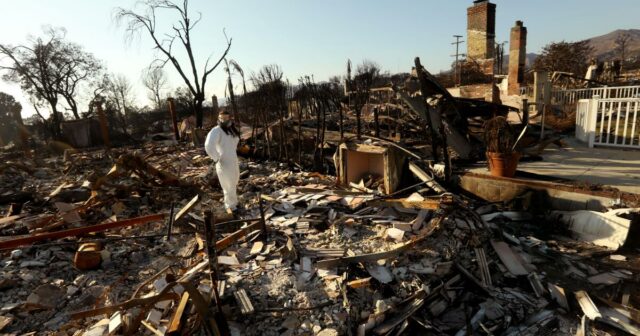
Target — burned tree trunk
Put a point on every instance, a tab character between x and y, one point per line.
300	109
267	136
316	149
324	129
197	109
341	110
283	139
358	115
376	122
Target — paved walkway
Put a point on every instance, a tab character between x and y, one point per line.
618	168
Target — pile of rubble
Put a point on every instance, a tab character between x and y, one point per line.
133	241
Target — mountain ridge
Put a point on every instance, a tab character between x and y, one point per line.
605	45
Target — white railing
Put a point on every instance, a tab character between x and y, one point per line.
609	122
563	97
623	92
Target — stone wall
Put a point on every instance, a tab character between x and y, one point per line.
487	92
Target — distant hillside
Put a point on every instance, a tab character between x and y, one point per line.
529	59
605	45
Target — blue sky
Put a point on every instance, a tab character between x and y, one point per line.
311	37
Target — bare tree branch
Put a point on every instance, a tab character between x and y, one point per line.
155	80
136	22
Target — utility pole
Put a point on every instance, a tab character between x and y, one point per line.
457	64
500	57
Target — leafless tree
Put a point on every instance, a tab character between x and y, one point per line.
34	67
10	117
183	99
271	92
622	43
369	71
155	80
50	67
120	94
336	94
145	21
78	68
320	100
366	74
98	88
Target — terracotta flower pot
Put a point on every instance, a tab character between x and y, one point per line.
501	164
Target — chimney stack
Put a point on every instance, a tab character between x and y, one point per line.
517	57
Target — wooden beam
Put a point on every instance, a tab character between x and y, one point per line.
17	242
424	177
152	328
234	237
359	283
429	203
244	302
195	200
178	317
9	220
202	307
174	119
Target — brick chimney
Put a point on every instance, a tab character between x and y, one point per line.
481	30
517	57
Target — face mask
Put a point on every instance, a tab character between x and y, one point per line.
227	123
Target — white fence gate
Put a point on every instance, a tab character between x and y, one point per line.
608	122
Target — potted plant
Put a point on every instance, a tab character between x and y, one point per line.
499	139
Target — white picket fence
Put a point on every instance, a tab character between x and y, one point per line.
608	122
563	97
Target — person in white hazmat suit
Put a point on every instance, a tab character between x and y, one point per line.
220	145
